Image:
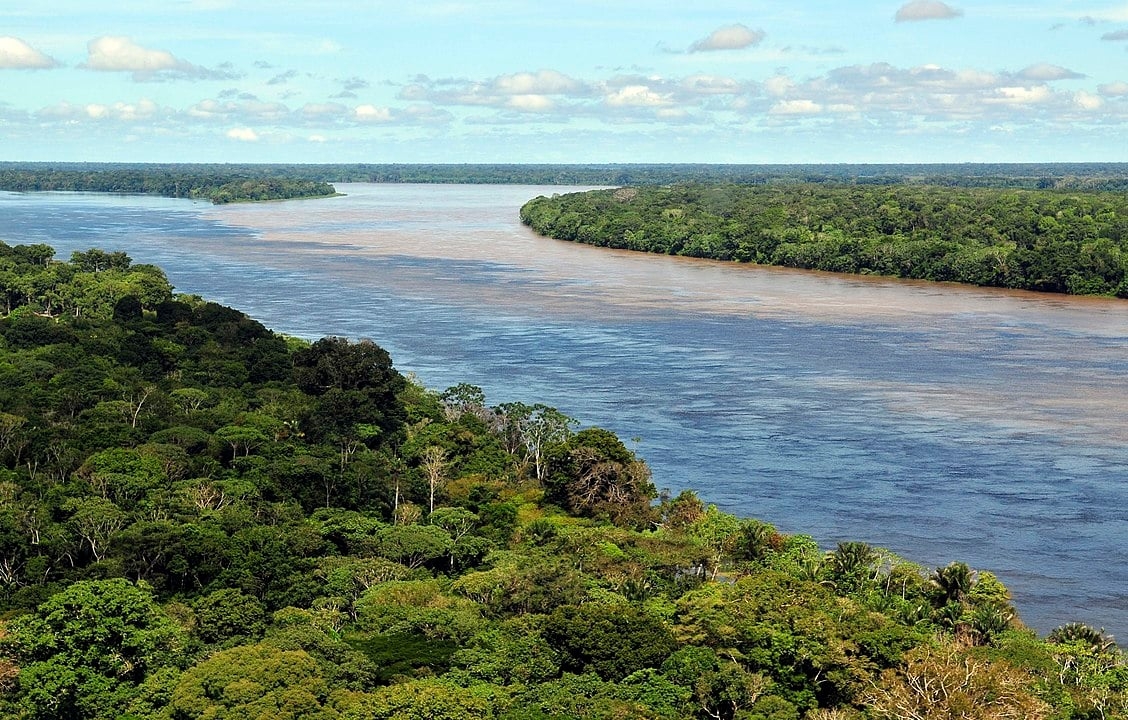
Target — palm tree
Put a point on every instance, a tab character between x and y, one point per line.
953	583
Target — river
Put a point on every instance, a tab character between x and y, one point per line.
940	421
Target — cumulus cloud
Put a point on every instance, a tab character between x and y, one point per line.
1045	72
796	107
1020	95
242	111
142	111
112	53
15	54
636	96
710	85
120	53
243	134
542	82
729	37
1088	101
926	10
414	114
531	103
372	113
524	91
317	111
1114	89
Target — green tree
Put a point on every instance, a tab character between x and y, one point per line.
255	682
86	651
593	474
611	641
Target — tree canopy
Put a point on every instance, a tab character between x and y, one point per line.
200	518
1049	240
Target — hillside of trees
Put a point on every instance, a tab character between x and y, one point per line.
200	518
1045	240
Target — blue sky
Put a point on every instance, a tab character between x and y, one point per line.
563	81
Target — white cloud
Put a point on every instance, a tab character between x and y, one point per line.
243	134
243	111
778	85
15	54
542	82
520	91
1113	89
371	113
926	10
1088	101
141	111
710	85
1020	95
796	107
115	53
635	96
315	111
730	37
1045	72
531	103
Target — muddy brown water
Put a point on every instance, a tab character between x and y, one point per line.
940	421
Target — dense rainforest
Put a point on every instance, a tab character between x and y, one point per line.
177	179
217	184
1066	241
200	518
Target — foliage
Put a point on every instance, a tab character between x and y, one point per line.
219	184
1032	239
200	518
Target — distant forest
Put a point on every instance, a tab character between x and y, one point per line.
155	178
218	184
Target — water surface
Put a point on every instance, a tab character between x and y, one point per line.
940	421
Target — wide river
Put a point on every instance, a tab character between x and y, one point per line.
940	421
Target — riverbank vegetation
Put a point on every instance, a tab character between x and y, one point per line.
1046	240
217	184
156	177
200	518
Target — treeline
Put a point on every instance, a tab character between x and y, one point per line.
1045	240
202	519
1060	176
1088	176
217	185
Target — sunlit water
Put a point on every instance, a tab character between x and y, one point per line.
940	421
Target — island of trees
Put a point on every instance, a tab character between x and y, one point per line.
200	518
1052	240
218	184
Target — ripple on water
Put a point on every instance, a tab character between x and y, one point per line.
944	423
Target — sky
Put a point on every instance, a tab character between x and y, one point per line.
564	81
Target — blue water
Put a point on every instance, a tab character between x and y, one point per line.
990	430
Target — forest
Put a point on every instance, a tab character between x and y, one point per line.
201	518
217	184
1048	240
177	179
